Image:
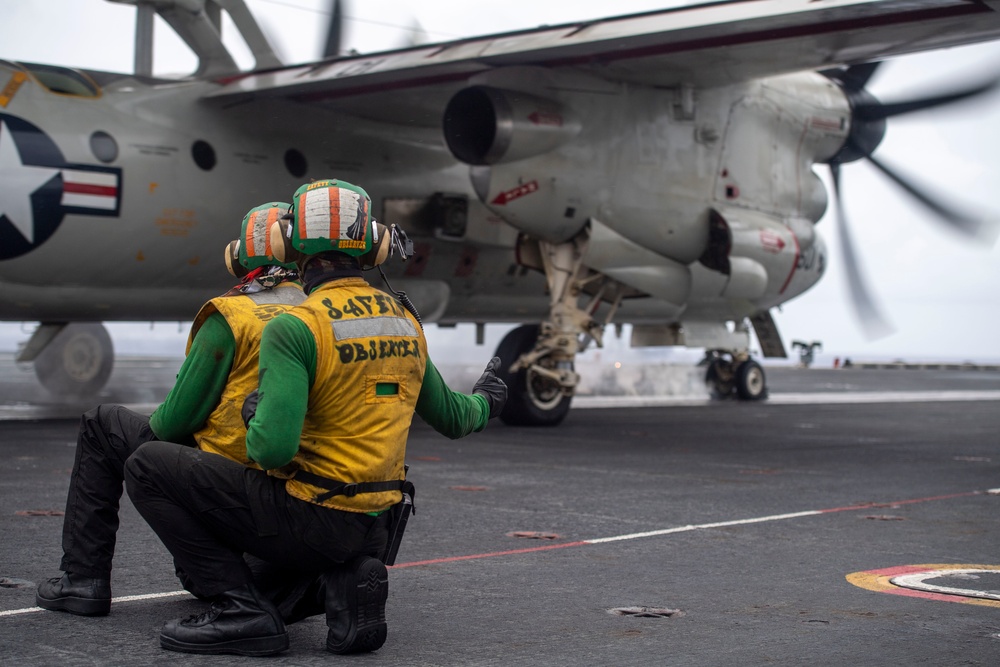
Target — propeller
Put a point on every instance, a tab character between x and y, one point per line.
869	315
868	125
334	32
334	43
882	110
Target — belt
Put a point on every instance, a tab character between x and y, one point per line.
349	489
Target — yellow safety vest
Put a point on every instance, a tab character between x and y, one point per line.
246	315
370	356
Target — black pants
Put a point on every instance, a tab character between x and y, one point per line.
109	434
210	511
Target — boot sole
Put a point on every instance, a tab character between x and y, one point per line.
74	605
256	646
371	591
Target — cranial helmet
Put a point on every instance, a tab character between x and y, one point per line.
330	215
253	248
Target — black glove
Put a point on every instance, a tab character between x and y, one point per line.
249	407
492	388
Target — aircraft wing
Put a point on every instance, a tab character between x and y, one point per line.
711	44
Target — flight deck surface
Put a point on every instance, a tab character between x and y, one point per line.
677	534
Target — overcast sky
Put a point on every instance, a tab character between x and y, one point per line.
937	289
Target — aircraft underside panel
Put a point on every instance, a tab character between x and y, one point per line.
710	44
81	304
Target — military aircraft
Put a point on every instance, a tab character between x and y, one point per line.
656	169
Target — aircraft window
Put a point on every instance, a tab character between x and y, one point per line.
63	80
295	163
203	154
103	146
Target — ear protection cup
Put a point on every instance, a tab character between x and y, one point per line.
281	244
232	260
380	247
277	238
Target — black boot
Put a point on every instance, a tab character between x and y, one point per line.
240	621
84	596
355	606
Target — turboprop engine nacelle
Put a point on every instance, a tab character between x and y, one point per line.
486	126
759	258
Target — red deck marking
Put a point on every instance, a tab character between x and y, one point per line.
868	506
493	554
681	529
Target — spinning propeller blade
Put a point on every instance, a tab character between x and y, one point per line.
872	322
856	77
867	110
975	228
867	129
334	32
874	110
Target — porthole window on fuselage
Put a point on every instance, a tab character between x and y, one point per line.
295	163
103	146
203	154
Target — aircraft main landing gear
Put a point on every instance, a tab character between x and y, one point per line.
728	375
72	359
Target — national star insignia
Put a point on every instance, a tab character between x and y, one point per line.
21	179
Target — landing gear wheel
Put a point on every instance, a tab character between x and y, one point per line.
532	399
77	362
750	383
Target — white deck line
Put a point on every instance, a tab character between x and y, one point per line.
124	598
806	398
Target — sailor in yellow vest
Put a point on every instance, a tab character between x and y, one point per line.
340	378
202	409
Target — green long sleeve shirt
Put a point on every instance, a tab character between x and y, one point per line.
200	382
287	371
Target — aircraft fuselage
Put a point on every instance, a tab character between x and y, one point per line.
118	202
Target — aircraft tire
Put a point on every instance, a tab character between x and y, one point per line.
751	384
78	361
530	402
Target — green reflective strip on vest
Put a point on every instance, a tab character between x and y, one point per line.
386	388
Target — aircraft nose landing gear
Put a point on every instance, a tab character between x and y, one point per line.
538	393
728	375
538	359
